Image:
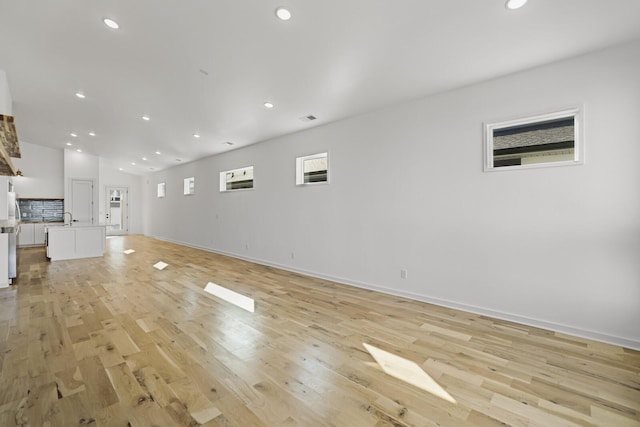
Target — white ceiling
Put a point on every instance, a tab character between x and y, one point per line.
208	66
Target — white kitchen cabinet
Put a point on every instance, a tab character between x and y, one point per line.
38	233
31	234
72	242
26	235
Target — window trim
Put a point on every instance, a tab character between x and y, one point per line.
300	169
162	190
186	186
577	113
223	180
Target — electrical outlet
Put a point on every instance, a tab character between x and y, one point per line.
403	274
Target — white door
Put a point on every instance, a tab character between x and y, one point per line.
82	201
117	210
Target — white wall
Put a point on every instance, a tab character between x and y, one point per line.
81	166
6	104
111	176
48	173
555	247
43	172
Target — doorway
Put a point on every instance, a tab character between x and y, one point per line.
82	201
117	210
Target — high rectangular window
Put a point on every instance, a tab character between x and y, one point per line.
162	190
552	139
312	169
189	186
237	179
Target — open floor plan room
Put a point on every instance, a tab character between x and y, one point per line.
113	341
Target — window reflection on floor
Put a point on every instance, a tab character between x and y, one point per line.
228	295
407	371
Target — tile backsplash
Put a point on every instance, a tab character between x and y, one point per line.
41	210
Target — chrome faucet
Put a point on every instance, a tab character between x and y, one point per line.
70	217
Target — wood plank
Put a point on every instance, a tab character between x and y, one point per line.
100	391
112	342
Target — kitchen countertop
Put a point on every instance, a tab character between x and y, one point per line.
59	225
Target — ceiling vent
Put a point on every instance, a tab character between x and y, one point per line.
308	118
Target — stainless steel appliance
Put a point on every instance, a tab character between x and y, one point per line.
13	256
9	226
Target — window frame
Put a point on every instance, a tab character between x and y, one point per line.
187	188
300	169
223	179
162	190
577	113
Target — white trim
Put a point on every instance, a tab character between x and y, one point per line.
124	206
577	113
161	194
223	179
186	186
524	320
300	169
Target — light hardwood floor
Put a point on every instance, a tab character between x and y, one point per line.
114	342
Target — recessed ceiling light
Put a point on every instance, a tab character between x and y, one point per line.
69	144
196	135
80	95
268	104
119	168
111	23
133	163
229	143
146	118
283	13
515	4
79	150
144	158
92	134
73	135
157	152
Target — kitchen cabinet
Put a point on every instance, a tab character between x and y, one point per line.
26	235
38	234
31	234
78	241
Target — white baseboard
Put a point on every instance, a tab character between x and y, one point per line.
524	320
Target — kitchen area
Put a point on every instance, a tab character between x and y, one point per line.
42	223
35	216
33	201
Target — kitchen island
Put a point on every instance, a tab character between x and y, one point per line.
75	241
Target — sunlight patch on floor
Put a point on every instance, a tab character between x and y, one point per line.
160	265
228	295
407	371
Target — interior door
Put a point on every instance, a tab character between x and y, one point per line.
117	210
82	201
